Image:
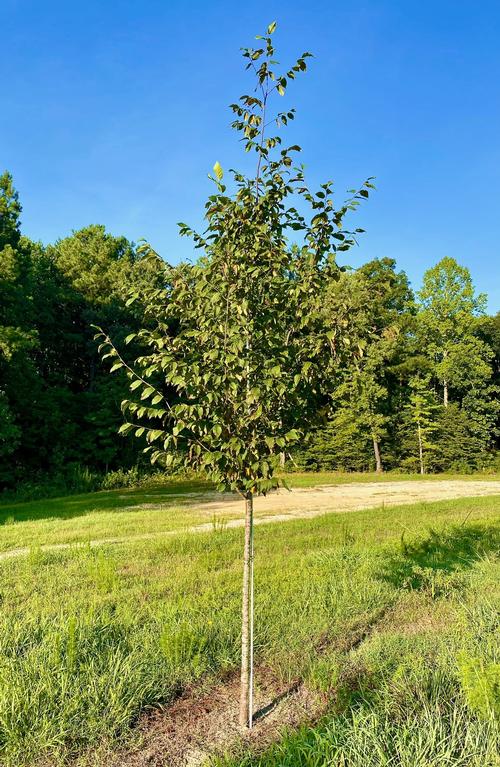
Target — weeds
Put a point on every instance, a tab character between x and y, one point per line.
480	682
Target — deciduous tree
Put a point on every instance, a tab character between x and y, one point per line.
422	413
239	335
448	318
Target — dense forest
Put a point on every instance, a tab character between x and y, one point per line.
417	389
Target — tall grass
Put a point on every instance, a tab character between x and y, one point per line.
75	479
90	638
369	736
422	690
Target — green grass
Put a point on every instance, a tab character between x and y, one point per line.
89	638
310	479
152	508
103	514
379	735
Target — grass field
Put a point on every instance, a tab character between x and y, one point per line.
152	508
90	637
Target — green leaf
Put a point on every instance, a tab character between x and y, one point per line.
154	434
272	27
218	171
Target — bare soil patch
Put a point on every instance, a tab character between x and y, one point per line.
203	721
200	724
305	502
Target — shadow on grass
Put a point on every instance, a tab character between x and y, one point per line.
435	559
175	493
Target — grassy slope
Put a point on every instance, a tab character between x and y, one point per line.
88	638
108	513
126	512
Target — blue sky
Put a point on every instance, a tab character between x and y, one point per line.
114	113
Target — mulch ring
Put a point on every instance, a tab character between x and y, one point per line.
203	723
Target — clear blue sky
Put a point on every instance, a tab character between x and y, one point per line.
114	111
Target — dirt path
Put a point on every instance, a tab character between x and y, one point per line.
304	503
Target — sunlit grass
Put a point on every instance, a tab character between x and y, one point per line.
310	479
155	508
90	637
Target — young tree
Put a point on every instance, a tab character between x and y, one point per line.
239	340
422	413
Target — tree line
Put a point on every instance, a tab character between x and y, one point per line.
423	393
417	388
59	408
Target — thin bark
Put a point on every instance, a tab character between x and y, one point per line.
420	449
378	460
246	699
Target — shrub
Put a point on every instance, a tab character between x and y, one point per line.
121	478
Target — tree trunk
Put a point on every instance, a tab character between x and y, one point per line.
378	461
445	393
246	695
420	449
